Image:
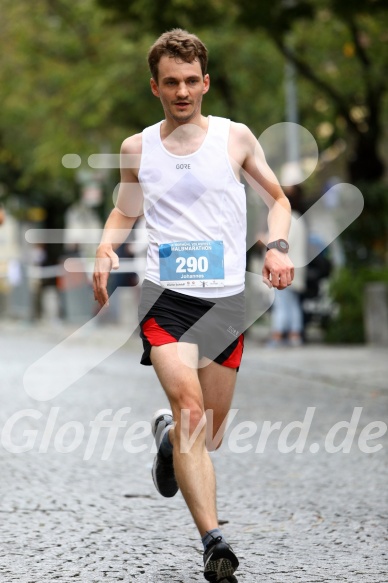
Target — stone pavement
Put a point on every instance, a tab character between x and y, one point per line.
306	517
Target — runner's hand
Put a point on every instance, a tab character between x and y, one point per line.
278	270
106	259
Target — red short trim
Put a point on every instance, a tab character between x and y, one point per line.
155	334
234	360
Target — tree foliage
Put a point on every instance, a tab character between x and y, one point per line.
63	81
74	78
340	48
71	82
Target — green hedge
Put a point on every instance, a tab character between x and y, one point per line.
365	241
347	292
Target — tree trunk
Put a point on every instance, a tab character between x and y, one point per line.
365	164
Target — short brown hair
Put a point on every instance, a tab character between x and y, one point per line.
177	44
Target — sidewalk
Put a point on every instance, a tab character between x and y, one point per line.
92	514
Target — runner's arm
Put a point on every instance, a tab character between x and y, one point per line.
129	206
278	270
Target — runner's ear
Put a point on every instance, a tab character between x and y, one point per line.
154	87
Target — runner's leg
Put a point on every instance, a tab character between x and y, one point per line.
194	470
218	383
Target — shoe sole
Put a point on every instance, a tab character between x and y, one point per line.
217	570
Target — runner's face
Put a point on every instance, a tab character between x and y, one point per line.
180	88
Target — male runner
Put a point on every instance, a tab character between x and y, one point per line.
184	174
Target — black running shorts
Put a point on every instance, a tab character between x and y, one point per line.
216	326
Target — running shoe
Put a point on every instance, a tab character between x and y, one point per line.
220	562
163	468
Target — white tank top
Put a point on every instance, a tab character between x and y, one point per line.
196	197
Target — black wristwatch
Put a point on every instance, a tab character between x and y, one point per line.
281	245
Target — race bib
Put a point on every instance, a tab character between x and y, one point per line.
192	264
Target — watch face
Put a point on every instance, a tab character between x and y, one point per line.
280	245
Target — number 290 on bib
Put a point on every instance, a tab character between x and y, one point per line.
192	264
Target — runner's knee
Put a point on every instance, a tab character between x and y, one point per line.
190	418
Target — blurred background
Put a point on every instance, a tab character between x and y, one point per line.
74	80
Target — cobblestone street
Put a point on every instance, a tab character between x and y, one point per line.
80	505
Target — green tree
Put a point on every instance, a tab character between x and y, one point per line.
71	82
63	81
340	48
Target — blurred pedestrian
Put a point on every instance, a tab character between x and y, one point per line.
195	211
11	276
3	269
287	320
